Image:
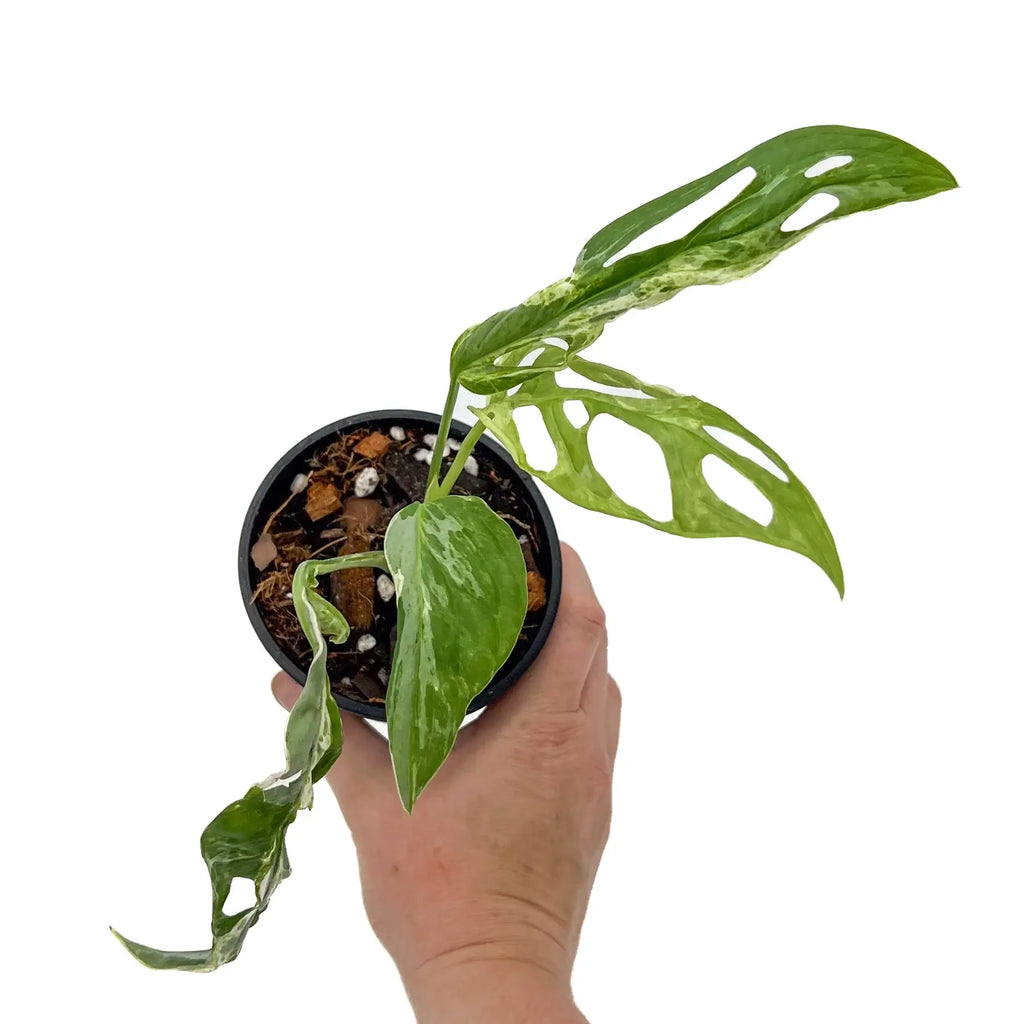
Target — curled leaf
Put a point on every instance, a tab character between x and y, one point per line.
246	840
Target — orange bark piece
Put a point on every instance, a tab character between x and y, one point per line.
531	562
352	590
373	446
535	596
321	498
362	513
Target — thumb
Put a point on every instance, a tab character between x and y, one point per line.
286	691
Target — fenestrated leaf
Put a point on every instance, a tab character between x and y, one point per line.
677	423
460	580
247	838
735	241
883	170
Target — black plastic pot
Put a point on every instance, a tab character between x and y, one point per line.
275	489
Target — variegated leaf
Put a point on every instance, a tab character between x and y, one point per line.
247	839
678	424
460	580
734	242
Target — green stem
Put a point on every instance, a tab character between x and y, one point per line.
442	435
361	560
464	452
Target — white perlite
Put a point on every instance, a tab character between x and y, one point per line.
385	587
384	675
472	468
421	455
397	433
366	642
299	483
449	445
366	482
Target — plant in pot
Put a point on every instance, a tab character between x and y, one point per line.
441	559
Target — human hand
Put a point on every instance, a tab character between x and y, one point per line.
479	895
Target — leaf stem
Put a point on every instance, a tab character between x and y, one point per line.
359	560
442	435
464	452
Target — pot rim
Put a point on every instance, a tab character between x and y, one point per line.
512	670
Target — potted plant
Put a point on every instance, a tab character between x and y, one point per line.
458	577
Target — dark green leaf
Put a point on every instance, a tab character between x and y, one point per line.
677	423
736	241
460	580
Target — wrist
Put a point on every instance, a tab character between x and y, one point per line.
499	991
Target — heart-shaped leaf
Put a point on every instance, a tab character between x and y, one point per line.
460	580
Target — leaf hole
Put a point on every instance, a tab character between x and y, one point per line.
633	464
744	447
681	223
576	412
569	378
830	163
821	204
528	360
557	343
533	433
531	357
736	490
241	896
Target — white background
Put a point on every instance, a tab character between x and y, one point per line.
223	225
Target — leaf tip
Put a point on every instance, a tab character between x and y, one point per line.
408	780
834	571
948	181
408	799
408	790
134	948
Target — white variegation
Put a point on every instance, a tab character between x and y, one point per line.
246	840
678	423
461	584
733	242
458	571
